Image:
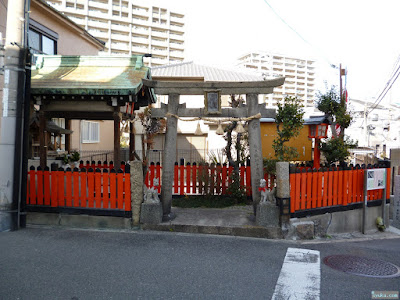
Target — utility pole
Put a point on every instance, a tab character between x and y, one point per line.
12	130
342	72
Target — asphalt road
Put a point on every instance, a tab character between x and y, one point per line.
42	263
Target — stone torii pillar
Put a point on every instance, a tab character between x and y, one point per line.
173	110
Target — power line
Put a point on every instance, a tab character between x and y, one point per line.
298	34
393	77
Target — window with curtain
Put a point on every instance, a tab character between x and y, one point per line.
90	132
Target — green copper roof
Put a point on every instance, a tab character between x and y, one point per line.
88	75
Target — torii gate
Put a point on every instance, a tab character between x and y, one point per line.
211	90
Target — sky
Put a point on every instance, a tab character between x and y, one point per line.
363	36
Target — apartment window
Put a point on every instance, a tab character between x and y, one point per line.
42	40
90	132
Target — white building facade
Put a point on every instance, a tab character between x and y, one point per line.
299	72
130	27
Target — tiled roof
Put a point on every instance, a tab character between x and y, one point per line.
192	70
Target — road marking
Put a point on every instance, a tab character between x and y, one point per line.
300	276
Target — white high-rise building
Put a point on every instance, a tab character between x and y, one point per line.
130	27
299	73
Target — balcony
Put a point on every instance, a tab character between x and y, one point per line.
97	24
103	6
120	37
118	27
120	46
177	46
140	49
140	40
99	34
176	54
158	33
140	21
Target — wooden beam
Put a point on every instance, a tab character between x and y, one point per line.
117	159
241	112
226	88
68	136
42	140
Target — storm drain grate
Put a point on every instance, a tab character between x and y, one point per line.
362	266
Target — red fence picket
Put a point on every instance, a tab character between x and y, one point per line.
79	188
330	187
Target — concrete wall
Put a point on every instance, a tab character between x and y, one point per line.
339	222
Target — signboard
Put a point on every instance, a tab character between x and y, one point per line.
376	179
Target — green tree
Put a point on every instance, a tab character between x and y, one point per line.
289	121
335	149
329	103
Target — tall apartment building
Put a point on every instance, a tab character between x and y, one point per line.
299	73
130	27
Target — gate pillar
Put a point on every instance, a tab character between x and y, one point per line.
256	160
169	156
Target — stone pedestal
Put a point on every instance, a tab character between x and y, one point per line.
151	213
136	190
267	215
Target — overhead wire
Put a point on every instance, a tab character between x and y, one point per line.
393	77
298	34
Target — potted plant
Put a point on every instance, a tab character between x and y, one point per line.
74	157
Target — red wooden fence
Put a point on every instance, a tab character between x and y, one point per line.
204	178
330	187
80	189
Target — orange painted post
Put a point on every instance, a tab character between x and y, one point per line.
32	185
200	177
75	178
120	189
83	196
93	165
224	178
298	189
335	186
182	179
345	185
319	188
355	184
60	187
218	187
188	177
90	180
325	188
360	185
106	186
113	189
309	189
68	187
81	164
248	178
211	183
46	185
53	190
123	166
350	188
242	172
330	186
314	188
158	175
176	178
147	179
292	180
127	190
194	178
152	170
39	174
303	189
340	187
388	180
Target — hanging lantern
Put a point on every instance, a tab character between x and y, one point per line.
198	130
219	131
239	128
318	131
